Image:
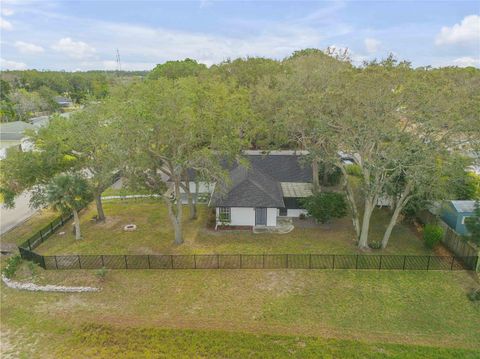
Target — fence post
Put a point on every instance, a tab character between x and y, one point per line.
79	263
404	260
218	261
240	261
453	260
41	236
263	260
51	227
194	261
356	262
428	263
44	266
380	264
286	259
171	261
148	260
103	262
310	261
333	262
126	263
56	263
29	245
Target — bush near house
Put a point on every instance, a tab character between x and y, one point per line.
432	235
324	206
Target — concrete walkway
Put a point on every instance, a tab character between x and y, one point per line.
10	218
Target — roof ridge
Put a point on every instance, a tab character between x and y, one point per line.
259	186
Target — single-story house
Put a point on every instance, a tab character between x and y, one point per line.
271	186
63	101
454	213
13	134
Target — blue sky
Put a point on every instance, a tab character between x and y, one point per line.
84	35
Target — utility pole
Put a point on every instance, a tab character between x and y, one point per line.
119	64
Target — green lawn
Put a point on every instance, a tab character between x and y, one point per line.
32	225
155	235
363	314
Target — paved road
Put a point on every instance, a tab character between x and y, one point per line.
9	218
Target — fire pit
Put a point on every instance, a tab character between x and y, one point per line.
130	227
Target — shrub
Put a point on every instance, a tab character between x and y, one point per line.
474	295
324	206
101	273
354	170
32	267
211	218
302	216
375	244
12	266
432	235
329	175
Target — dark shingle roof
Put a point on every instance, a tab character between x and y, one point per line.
282	168
14	131
249	187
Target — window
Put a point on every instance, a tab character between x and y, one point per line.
224	214
283	212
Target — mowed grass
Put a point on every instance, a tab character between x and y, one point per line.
32	225
154	235
404	311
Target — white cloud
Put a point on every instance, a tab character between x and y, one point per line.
5	25
11	65
74	49
27	48
371	45
161	44
7	12
467	61
468	31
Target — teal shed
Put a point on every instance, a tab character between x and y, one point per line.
454	213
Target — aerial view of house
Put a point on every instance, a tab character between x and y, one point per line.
240	179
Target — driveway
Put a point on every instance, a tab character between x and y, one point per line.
10	218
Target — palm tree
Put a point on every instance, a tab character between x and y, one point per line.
68	193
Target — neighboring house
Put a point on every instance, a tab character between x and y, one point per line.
270	187
63	101
13	134
454	213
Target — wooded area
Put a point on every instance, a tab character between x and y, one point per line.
410	131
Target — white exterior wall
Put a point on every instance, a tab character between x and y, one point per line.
295	212
272	216
245	216
203	187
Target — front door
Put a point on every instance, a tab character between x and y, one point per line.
260	216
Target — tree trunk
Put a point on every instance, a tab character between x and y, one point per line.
192	205
76	218
178	215
400	205
391	224
367	214
351	201
325	176
315	177
100	213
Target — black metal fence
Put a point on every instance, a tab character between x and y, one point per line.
43	234
252	261
236	261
